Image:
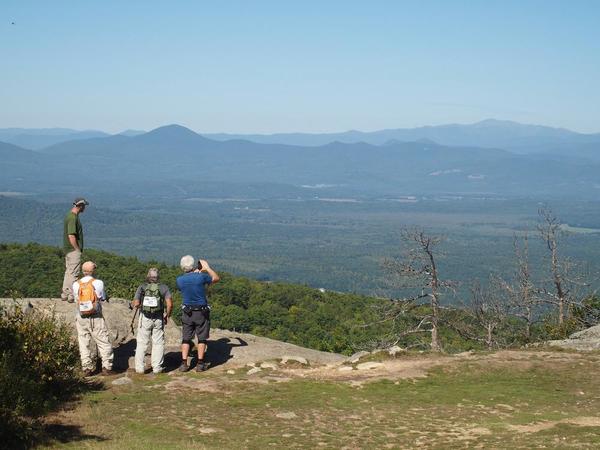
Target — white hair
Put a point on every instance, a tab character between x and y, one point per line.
187	263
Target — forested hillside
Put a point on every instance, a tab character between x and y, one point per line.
322	320
315	318
293	313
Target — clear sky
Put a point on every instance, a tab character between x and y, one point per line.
271	66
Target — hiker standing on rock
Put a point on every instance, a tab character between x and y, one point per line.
89	294
155	303
73	245
195	317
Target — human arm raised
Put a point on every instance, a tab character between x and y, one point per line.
206	268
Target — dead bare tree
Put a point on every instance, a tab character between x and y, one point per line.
522	294
401	314
550	232
419	270
570	283
526	298
486	317
489	310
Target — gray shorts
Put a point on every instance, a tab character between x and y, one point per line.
197	323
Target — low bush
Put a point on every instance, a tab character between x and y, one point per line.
588	313
38	370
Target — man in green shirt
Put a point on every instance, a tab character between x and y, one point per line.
73	245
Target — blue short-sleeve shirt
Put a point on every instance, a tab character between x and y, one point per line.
192	288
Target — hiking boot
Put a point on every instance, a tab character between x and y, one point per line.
108	372
201	366
70	300
184	367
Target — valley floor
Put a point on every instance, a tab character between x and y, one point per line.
508	399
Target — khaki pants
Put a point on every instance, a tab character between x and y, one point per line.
93	331
72	269
150	328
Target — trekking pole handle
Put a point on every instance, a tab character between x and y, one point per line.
133	318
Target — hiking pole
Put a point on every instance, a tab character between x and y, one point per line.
133	319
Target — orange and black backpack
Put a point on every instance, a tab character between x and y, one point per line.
87	300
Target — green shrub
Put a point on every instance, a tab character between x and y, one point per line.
551	329
38	370
588	313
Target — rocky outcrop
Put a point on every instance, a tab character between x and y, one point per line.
585	340
225	348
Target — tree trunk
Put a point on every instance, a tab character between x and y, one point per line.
558	285
435	338
528	320
436	346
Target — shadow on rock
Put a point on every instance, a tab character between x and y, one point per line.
219	351
122	354
172	361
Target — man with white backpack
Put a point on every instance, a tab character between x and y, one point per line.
155	304
88	293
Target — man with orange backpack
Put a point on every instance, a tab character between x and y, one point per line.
89	294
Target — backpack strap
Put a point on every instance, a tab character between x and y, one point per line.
91	280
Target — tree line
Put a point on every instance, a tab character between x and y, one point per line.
322	320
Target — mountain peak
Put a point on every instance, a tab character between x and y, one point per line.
496	123
524	127
171	134
172	131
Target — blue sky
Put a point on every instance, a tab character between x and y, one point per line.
275	66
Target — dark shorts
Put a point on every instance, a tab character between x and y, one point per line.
198	323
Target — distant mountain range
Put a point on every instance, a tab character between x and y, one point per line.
491	133
173	161
512	136
38	138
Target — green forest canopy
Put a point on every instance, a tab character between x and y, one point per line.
314	318
298	314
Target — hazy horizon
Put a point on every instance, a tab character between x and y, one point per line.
234	132
272	67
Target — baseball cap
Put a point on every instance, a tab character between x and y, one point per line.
80	201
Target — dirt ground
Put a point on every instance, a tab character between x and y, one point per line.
507	399
260	393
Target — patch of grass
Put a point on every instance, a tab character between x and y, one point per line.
460	405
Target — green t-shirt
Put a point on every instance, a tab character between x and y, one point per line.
73	226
